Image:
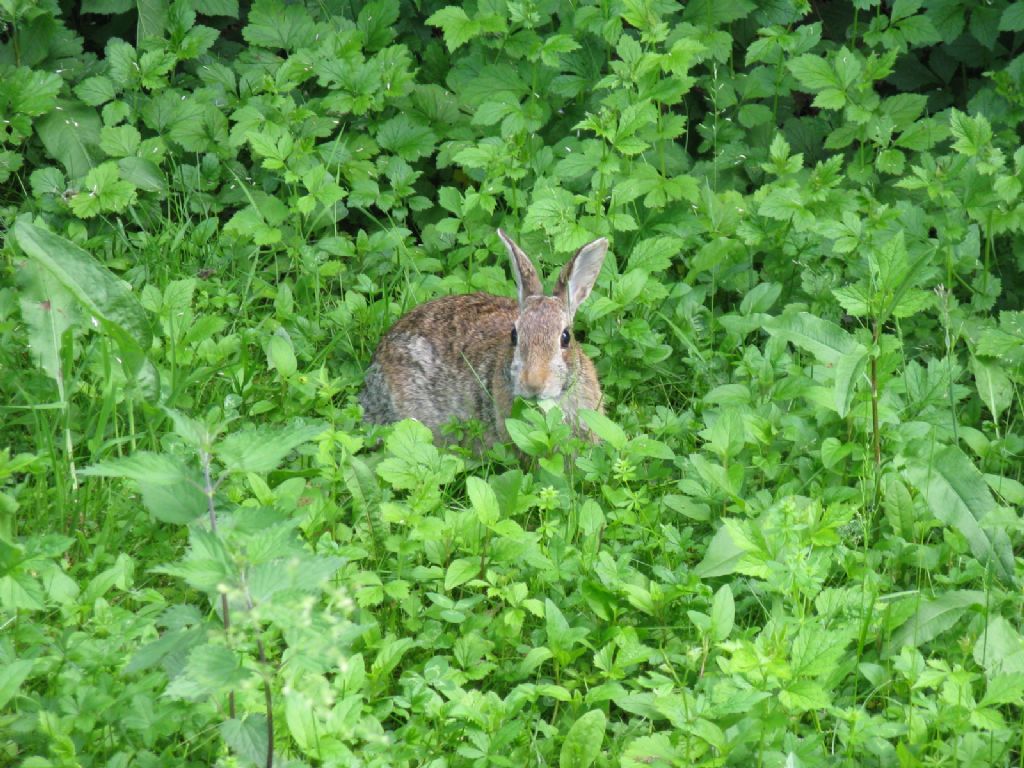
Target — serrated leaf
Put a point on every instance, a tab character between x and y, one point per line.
247	737
457	27
407	139
261	449
107	298
822	338
276	26
142	466
119	141
95	91
813	72
70	134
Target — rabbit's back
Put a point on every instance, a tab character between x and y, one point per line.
439	361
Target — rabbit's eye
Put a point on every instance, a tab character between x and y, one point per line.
515	336
565	338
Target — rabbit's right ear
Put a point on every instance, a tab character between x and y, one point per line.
526	276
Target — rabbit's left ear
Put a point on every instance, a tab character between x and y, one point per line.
579	275
527	281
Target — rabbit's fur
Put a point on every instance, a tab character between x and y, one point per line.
470	356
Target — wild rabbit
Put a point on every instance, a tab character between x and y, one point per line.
469	356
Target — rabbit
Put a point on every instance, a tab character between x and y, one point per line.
469	356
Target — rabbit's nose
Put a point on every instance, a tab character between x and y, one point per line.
532	383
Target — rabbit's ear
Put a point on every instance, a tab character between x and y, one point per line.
526	276
579	275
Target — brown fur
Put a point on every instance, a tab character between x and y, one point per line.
454	356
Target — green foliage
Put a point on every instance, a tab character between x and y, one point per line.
795	544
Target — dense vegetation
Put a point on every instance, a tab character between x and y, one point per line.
798	543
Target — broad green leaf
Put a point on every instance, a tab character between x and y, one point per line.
723	614
143	466
48	310
822	338
457	27
958	496
583	742
1012	19
407	139
261	449
484	500
1004	688
108	299
71	135
813	72
1000	649
604	428
460	571
278	26
721	557
849	370
95	91
281	355
12	675
247	737
994	386
933	617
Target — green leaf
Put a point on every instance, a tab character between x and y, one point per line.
12	675
460	571
143	466
95	91
813	72
994	386
71	135
484	500
276	25
407	139
721	557
822	338
723	614
282	356
972	134
48	310
1012	19
583	742
1000	649
217	7
247	737
849	370
933	617
957	495
103	191
108	299
119	141
457	27
604	428
261	449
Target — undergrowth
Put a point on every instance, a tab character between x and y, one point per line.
798	541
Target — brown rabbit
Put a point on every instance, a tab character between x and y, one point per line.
469	356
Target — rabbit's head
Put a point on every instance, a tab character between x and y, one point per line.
544	351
